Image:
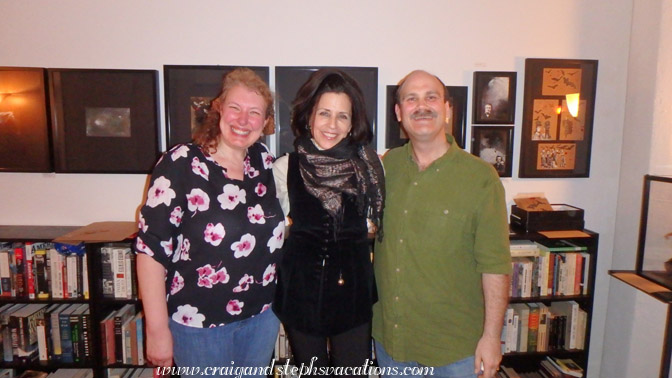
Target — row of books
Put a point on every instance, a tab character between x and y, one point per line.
130	373
118	271
43	271
535	327
37	331
122	332
282	349
551	367
557	267
60	373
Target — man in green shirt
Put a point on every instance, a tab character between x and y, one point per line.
443	266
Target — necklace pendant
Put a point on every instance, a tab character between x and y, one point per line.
341	281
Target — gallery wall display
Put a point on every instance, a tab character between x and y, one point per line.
288	80
494	98
188	93
558	109
104	121
24	122
494	144
456	123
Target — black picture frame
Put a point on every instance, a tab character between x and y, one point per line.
188	90
494	100
25	139
288	80
555	143
654	260
457	96
494	144
104	120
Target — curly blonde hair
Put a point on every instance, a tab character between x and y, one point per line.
208	133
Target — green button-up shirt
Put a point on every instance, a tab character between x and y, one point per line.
444	227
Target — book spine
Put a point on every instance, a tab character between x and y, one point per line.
66	338
5	276
42	340
41	280
29	272
86	337
20	272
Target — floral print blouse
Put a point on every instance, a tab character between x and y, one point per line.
218	238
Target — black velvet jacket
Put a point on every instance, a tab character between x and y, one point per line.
325	281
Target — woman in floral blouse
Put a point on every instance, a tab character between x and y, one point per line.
210	238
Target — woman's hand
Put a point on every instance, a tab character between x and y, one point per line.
160	347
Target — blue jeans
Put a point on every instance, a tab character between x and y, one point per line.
460	369
218	351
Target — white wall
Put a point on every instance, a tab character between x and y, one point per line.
635	321
449	38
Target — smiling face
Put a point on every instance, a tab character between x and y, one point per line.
242	118
331	119
422	107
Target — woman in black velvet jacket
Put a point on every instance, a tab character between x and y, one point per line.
330	187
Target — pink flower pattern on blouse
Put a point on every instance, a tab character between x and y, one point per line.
213	254
244	247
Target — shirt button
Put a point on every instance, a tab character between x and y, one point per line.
401	240
437	169
398	270
396	326
446	211
415	183
405	211
396	299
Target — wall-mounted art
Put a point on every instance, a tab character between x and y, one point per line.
494	98
288	80
188	92
494	144
24	122
558	109
104	121
456	123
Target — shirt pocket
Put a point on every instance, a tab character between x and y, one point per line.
443	228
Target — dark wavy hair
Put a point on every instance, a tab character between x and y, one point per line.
208	133
329	80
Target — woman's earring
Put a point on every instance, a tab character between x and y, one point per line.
308	126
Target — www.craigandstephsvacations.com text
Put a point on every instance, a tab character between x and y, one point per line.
367	369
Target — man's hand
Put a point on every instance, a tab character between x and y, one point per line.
489	353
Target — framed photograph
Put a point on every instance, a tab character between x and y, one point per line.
654	249
456	124
494	98
188	93
558	109
494	144
288	80
24	122
104	121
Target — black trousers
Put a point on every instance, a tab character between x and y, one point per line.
349	349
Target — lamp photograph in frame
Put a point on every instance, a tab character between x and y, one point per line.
494	98
456	122
104	121
558	110
494	144
188	93
24	122
288	80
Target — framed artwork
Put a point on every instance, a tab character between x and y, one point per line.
188	93
558	109
288	80
494	98
24	122
494	144
104	121
456	124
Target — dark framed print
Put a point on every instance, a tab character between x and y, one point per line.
494	98
24	121
456	124
288	80
188	93
558	109
104	121
494	144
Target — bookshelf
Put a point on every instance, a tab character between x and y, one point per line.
99	305
554	298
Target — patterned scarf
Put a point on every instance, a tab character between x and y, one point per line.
344	168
